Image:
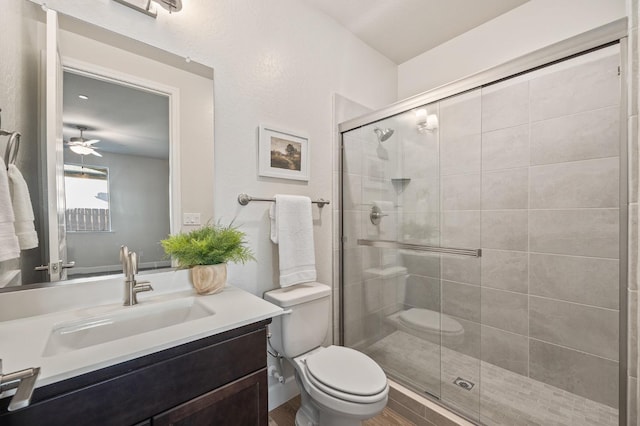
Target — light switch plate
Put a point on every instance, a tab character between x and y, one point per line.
191	219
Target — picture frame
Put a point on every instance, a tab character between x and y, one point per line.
283	154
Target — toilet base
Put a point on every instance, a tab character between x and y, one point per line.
311	414
326	419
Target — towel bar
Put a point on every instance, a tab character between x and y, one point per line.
244	199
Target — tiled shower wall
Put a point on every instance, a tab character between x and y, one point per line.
529	172
539	194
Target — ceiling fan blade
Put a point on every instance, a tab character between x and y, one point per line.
96	153
91	142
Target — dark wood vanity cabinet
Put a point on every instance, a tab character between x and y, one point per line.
218	380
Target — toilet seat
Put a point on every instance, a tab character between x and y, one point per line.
346	374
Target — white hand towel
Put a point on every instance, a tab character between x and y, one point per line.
292	230
9	248
22	209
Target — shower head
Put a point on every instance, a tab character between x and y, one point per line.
383	134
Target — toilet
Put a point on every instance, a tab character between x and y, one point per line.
339	386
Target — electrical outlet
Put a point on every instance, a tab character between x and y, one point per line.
192	219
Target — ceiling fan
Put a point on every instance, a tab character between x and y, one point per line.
83	146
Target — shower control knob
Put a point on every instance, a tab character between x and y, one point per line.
376	215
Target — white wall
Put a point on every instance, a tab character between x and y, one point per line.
20	46
139	204
535	24
275	62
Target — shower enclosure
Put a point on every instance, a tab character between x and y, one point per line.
484	243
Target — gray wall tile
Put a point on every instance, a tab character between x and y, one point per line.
460	115
353	303
569	91
505	105
420	227
461	192
460	154
505	310
461	300
469	344
585	328
425	264
587	280
576	232
423	292
352	228
352	265
505	148
461	229
372	294
461	269
591	134
505	270
352	192
588	183
507	350
583	374
506	230
421	195
505	189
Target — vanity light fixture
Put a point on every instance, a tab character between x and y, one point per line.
148	7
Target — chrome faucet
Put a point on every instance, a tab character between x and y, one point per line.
132	287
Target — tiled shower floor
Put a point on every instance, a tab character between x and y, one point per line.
499	396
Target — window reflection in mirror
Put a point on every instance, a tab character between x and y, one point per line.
86	198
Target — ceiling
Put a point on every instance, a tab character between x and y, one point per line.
126	120
403	29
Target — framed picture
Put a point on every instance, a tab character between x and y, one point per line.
283	154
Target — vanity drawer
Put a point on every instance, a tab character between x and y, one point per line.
155	387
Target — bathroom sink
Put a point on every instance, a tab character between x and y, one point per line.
126	322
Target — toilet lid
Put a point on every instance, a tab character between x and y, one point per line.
347	371
426	319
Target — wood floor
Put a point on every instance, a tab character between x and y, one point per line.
285	415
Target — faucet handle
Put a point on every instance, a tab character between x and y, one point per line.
23	394
133	262
24	381
124	258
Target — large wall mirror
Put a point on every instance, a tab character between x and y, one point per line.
108	172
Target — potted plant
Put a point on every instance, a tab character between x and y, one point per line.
206	252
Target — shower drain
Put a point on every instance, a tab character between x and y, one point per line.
464	384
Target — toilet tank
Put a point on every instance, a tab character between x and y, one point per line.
305	327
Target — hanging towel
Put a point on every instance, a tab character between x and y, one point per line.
292	230
9	248
22	209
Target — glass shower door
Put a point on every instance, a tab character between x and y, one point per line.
391	195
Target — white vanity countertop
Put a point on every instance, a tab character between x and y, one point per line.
22	340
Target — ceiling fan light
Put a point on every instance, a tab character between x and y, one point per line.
82	150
